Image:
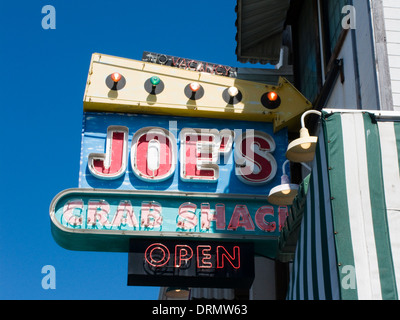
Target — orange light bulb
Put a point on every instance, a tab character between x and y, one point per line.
194	86
272	96
116	76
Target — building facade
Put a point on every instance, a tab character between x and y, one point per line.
341	55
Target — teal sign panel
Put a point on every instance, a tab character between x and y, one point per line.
105	220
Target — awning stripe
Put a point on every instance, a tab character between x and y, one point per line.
328	254
359	207
378	207
316	238
389	137
315	258
333	133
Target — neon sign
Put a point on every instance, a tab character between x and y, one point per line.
147	176
211	152
153	155
137	213
158	255
190	64
192	263
142	214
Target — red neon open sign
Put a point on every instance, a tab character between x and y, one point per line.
158	255
191	263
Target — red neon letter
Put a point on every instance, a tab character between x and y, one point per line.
182	253
125	215
199	155
187	218
200	150
151	215
207	216
69	212
98	211
223	253
113	163
241	218
202	256
255	164
157	255
260	219
153	154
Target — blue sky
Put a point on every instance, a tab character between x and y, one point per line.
43	76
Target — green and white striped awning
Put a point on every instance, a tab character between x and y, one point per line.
348	243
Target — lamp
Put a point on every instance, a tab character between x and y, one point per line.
194	86
271	100
303	148
194	91
232	95
177	292
233	91
285	193
116	76
155	80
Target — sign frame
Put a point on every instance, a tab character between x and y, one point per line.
118	240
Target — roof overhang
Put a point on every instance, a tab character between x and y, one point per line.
260	24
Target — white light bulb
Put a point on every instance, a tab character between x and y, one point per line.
194	86
233	91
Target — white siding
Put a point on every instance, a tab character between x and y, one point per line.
365	57
345	95
391	9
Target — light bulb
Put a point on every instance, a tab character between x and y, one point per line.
116	76
155	80
272	96
233	91
305	146
285	192
194	86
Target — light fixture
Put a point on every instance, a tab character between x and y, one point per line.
232	95
285	193
272	96
155	80
177	292
233	91
194	86
116	76
115	81
270	100
153	86
303	148
194	91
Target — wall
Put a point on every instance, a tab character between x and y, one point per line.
391	11
343	95
264	282
359	90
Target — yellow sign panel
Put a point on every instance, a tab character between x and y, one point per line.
122	85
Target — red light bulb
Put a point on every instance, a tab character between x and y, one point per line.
272	96
194	86
116	76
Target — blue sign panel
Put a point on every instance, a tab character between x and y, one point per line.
152	176
164	153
